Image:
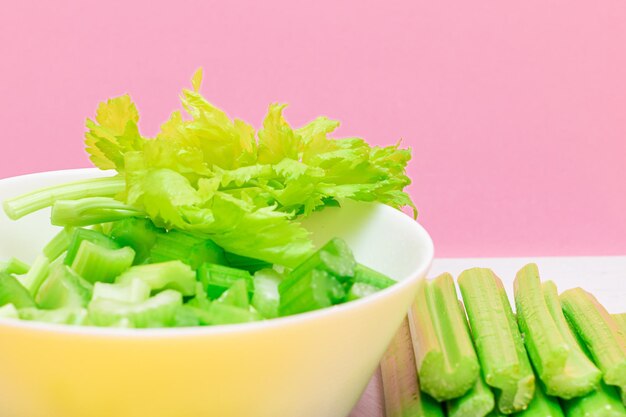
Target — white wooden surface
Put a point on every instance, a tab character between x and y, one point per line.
605	277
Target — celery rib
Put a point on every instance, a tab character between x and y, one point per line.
91	211
477	402
542	406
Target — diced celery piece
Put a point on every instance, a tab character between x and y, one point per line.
218	278
201	299
189	248
90	211
140	234
59	244
14	267
100	264
477	402
8	311
499	344
36	275
228	314
243	262
133	291
12	292
558	361
603	402
360	290
63	288
542	405
403	397
266	298
365	275
314	291
599	333
187	316
158	311
446	360
92	236
173	275
236	295
71	316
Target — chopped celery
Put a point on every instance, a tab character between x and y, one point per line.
91	211
14	267
200	299
446	360
360	290
403	397
599	333
59	244
158	311
132	291
602	402
36	275
63	288
499	344
8	311
236	295
140	234
620	319
266	298
23	205
477	402
190	248
218	278
71	316
173	275
98	263
12	292
365	275
316	290
220	313
80	235
542	406
243	262
187	316
559	363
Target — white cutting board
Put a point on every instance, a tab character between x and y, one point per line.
604	276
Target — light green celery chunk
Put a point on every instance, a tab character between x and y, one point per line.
314	291
542	406
14	267
236	295
81	235
220	313
8	311
365	275
100	264
602	402
498	341
477	402
446	360
243	262
360	290
174	275
91	211
20	206
36	275
59	244
13	292
564	370
63	288
218	278
140	234
403	397
71	316
158	311
190	248
266	298
599	333
133	291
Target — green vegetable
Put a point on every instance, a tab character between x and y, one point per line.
59	244
365	275
620	320
218	278
63	288
243	262
8	311
192	249
80	235
132	291
36	275
599	333
560	364
542	406
12	292
360	290
71	315
140	234
266	298
498	341
99	263
90	211
477	402
236	295
314	291
220	313
447	363
603	402
14	267
403	397
173	275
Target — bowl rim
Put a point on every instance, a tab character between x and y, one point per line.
168	332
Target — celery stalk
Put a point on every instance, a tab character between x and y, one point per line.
403	397
133	291
20	206
360	290
266	298
91	211
158	311
63	288
368	276
14	267
8	311
36	275
314	291
599	333
12	292
603	402
189	248
173	275
558	361
98	263
236	295
59	244
447	362
477	402
80	235
542	406
498	340
140	234
218	278
220	313
74	316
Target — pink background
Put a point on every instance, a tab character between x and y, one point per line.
516	111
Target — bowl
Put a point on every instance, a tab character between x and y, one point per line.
310	365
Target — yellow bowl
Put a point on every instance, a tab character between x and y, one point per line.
311	365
